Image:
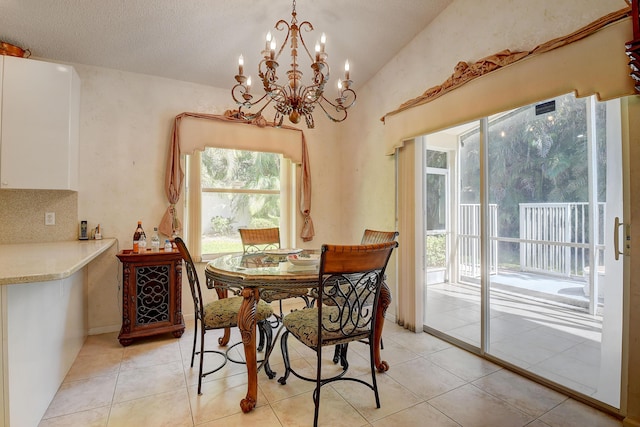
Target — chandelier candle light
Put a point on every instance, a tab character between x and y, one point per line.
293	99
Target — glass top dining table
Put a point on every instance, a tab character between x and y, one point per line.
262	269
251	273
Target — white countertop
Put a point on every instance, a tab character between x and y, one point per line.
39	262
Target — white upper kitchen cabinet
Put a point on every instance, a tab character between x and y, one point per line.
39	125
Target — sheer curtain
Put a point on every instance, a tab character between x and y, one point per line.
410	225
193	197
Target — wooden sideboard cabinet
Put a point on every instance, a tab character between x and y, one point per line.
151	294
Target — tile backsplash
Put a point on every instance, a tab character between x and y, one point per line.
22	216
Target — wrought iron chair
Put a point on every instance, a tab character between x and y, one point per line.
368	237
359	269
262	239
218	314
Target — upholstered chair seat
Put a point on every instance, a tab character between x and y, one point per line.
303	324
223	313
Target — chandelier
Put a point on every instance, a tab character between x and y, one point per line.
293	98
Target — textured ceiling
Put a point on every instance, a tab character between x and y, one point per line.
200	40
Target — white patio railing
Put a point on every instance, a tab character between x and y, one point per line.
554	238
469	240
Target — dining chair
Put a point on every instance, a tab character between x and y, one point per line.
259	239
375	236
218	314
349	317
263	239
368	237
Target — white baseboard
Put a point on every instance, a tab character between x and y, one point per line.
116	328
104	330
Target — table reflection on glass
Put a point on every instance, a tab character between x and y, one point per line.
252	272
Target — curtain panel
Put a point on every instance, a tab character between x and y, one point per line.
594	62
410	273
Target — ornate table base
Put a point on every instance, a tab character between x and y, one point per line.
247	326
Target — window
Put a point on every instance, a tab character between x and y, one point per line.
239	189
436	211
248	175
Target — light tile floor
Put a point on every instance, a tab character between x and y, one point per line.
430	383
556	341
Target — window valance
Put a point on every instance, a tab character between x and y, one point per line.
589	61
195	131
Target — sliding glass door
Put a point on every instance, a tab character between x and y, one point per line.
534	193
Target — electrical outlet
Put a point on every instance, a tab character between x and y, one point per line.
50	218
